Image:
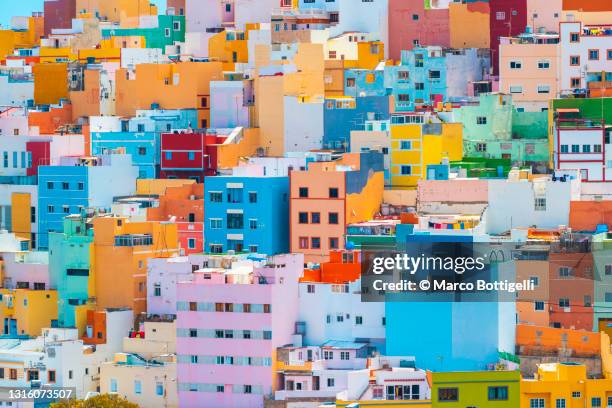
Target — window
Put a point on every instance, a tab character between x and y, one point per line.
516	64
159	388
350	82
303	218
564	302
137	387
538	305
358	319
81	186
565	272
543	64
574	37
560	403
434	74
593	55
481	147
597	148
498	393
333	218
575	82
405	145
575	148
113	385
574	60
403	98
310	288
65	186
303	192
252	224
66	209
595	402
500	15
315	218
168	155
536	403
216	197
50	209
191	243
586	148
516	89
543	89
216	223
419	86
540	204
608	269
403	75
481	120
315	243
448	394
252	197
176	25
333	192
564	149
157	289
193	333
406	170
167	32
303	243
344	355
50	376
331	382
333	243
609	56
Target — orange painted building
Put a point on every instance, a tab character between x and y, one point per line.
586	215
548	340
343	266
119	259
229	47
87	101
95	332
48	91
327	197
186	205
469	25
49	121
531	306
170	86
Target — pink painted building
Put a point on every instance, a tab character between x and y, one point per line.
410	25
230	320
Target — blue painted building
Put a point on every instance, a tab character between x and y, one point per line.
364	82
450	332
341	115
142	146
246	214
78	183
420	75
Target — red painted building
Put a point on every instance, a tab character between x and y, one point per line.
410	25
507	18
58	14
189	155
40	152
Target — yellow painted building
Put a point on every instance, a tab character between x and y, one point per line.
27	311
56	54
229	47
125	12
119	259
566	385
418	140
21	215
49	92
11	39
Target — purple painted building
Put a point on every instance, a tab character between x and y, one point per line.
230	320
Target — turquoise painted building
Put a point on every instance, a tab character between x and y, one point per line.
493	129
602	262
170	29
69	266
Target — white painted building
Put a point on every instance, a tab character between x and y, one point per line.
363	16
523	203
162	277
584	55
335	311
581	145
303	124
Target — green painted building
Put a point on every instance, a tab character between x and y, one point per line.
69	266
493	129
590	108
490	389
170	29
